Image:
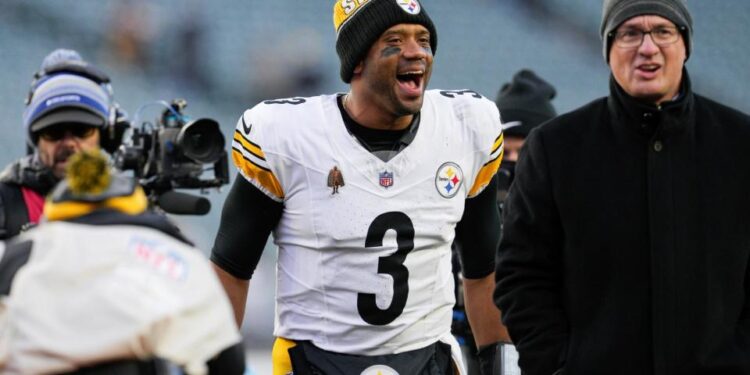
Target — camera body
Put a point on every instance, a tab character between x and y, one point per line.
173	153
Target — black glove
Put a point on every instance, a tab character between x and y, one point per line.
490	359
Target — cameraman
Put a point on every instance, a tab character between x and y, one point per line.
68	107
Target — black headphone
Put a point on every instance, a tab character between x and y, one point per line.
117	122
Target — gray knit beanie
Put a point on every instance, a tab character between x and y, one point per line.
615	12
360	23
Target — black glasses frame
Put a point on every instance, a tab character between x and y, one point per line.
680	30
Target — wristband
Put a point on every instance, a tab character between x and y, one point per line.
498	359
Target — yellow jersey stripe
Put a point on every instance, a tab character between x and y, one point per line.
485	175
259	174
246	159
282	363
498	143
249	145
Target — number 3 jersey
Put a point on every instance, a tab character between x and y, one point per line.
364	264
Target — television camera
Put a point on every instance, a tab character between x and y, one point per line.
173	153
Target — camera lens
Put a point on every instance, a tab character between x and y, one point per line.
201	140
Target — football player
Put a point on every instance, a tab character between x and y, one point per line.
365	191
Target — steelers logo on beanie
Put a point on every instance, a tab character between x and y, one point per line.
359	23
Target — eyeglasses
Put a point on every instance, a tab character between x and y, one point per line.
56	133
662	36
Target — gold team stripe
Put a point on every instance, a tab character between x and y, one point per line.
255	172
282	364
249	146
243	154
488	169
498	143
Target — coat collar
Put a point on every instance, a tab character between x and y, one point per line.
29	171
670	118
149	219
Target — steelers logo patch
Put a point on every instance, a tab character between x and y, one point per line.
379	370
410	6
449	179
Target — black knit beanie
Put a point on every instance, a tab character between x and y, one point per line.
359	23
615	12
525	103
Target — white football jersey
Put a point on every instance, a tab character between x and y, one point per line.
364	245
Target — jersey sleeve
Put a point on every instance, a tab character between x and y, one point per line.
478	234
248	155
489	133
242	237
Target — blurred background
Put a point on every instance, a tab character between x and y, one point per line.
224	56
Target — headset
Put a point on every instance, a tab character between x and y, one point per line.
117	120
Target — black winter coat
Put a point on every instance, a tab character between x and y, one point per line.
28	172
626	245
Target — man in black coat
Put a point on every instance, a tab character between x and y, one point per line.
626	246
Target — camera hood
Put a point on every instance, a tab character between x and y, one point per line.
201	140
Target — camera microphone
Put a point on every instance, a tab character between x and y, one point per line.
178	203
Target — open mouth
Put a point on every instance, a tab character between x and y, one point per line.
411	81
62	157
649	68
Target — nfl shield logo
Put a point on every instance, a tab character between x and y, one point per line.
386	179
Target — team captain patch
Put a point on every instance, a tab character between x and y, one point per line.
448	179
